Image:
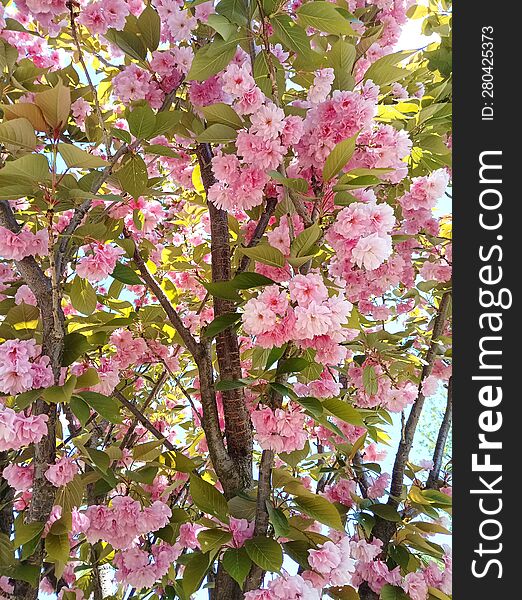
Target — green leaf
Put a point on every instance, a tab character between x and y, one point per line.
142	121
384	70
80	409
370	380
234	10
212	58
265	254
312	405
25	572
338	157
305	240
222	25
292	365
230	384
295	457
207	498
88	378
195	571
220	324
25	532
18	133
344	411
222	113
160	150
149	25
55	104
265	552
107	408
385	511
75	157
249	280
60	393
323	16
132	176
320	509
13	187
295	183
82	295
237	563
129	42
75	344
292	36
147	451
393	592
57	547
31	166
23	316
99	458
25	400
341	58
279	521
144	475
125	274
6	550
217	133
210	539
347	592
222	289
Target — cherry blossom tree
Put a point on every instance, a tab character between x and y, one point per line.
225	293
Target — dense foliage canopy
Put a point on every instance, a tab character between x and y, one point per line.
225	293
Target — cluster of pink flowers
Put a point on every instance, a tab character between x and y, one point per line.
140	569
178	23
19	477
124	521
237	185
16	246
23	367
165	65
129	349
281	430
100	16
378	487
394	398
334	120
324	387
24	294
262	147
134	83
333	562
100	263
314	320
286	587
360	235
418	202
62	472
241	530
17	430
80	110
321	86
435	271
376	573
341	491
238	83
43	11
383	148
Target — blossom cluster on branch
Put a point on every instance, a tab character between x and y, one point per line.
225	292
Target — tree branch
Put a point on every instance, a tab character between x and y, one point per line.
188	339
143	419
238	427
442	438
